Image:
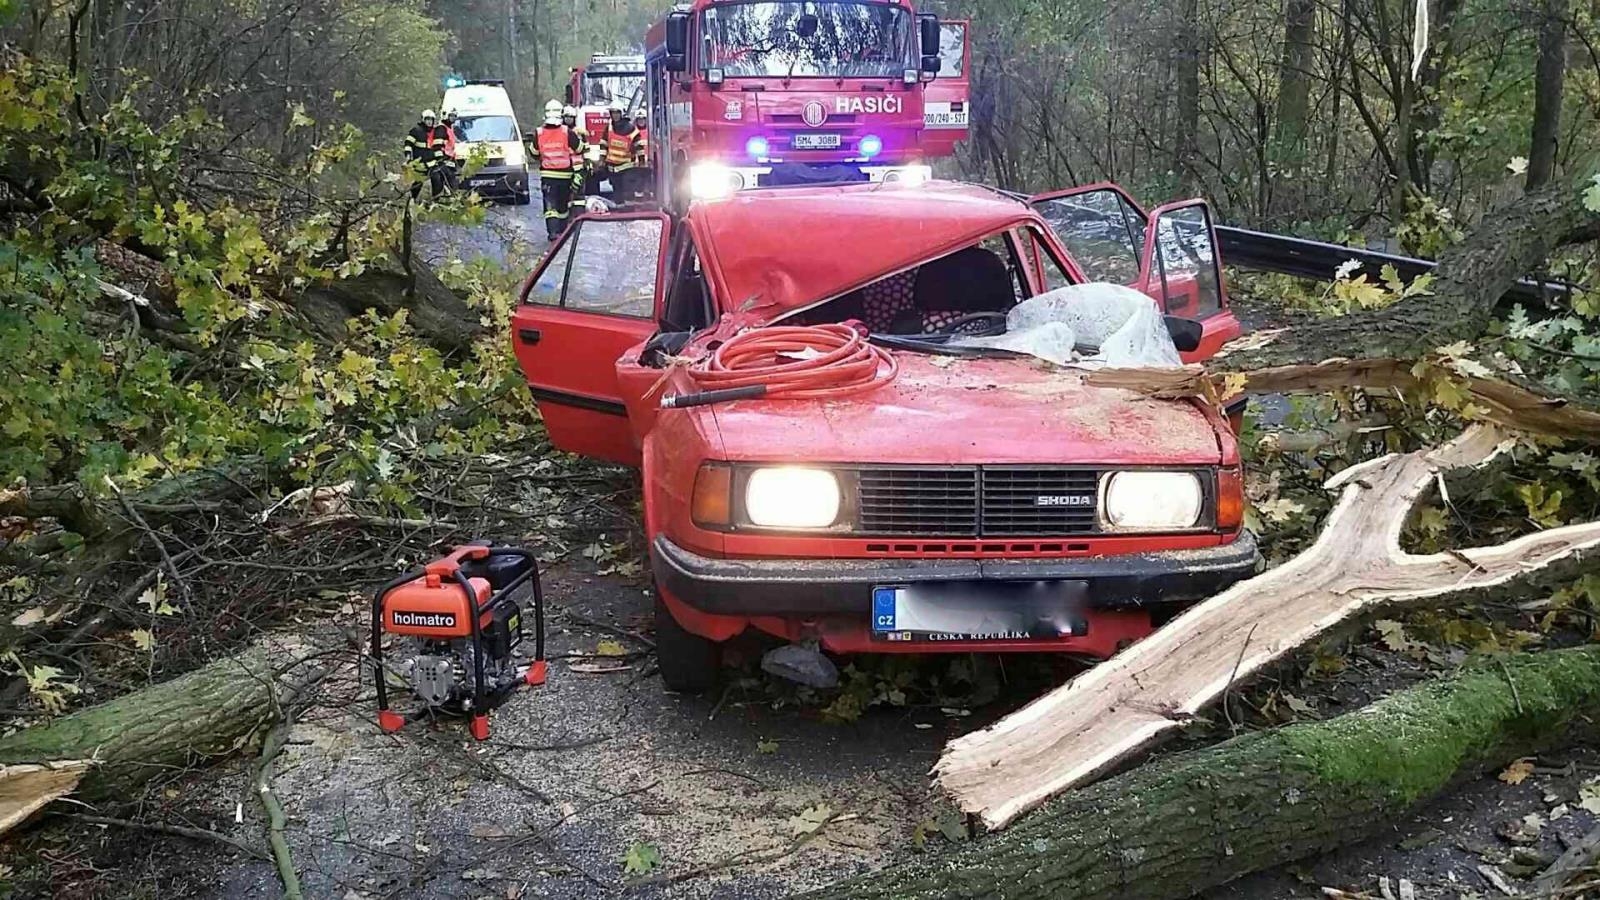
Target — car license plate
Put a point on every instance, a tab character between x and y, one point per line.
816	141
481	182
979	611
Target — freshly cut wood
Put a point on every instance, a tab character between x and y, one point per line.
206	713
27	788
1192	820
1355	568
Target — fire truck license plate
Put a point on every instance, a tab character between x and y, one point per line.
979	611
816	141
943	115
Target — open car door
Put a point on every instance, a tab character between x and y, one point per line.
594	297
1170	253
946	101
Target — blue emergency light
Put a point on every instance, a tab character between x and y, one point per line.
871	146
757	147
454	81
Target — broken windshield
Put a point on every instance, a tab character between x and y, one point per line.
783	40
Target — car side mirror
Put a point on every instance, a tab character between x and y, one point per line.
677	57
928	25
1186	333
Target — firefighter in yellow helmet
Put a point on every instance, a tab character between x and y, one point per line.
621	154
580	174
557	146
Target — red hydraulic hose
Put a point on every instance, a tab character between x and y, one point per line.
796	362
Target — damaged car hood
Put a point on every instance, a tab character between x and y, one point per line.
944	410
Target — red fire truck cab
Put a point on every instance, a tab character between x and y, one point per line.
747	93
595	87
978	501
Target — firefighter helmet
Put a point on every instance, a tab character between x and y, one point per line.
552	106
619	108
428	114
640	113
570	112
552	118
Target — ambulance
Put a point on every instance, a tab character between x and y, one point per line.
484	118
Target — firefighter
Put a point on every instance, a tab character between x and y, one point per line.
425	149
452	159
642	181
580	172
558	164
621	143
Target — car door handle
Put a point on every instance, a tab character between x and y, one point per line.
529	336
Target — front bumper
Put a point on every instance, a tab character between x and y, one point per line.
823	587
498	182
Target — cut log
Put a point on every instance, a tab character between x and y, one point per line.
1192	820
1355	568
207	713
26	789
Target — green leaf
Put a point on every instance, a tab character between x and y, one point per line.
766	747
1591	196
640	859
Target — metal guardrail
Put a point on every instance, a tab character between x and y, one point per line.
1263	252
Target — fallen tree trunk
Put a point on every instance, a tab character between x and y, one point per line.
1355	568
206	713
1193	820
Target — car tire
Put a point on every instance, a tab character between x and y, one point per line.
689	663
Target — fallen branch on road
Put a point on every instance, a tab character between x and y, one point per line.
1193	820
1355	568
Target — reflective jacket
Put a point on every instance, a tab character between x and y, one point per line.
621	148
555	152
426	144
644	146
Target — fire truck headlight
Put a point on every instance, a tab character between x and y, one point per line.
912	76
713	76
915	175
757	147
710	181
871	146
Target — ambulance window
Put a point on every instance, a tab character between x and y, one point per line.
614	267
547	289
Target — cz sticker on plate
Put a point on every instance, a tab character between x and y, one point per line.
980	611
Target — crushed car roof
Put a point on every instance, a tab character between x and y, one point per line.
773	251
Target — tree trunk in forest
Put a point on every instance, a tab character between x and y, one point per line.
1549	75
1193	820
434	311
1185	145
1294	78
1355	568
203	714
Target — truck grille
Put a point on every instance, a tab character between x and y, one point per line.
991	501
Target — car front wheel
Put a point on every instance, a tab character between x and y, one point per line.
689	663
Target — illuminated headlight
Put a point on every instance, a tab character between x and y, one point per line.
513	154
709	181
791	497
915	175
1151	501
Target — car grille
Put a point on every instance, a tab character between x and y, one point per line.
991	501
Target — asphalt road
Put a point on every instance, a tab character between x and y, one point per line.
510	235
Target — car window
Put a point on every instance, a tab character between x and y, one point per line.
547	289
1185	275
1054	275
1000	245
1101	231
614	267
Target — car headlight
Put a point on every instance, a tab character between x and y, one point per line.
791	497
513	154
1151	501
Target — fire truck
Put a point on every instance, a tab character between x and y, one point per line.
946	102
748	93
604	81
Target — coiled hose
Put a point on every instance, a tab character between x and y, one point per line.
789	362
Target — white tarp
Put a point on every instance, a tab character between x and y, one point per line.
1090	325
